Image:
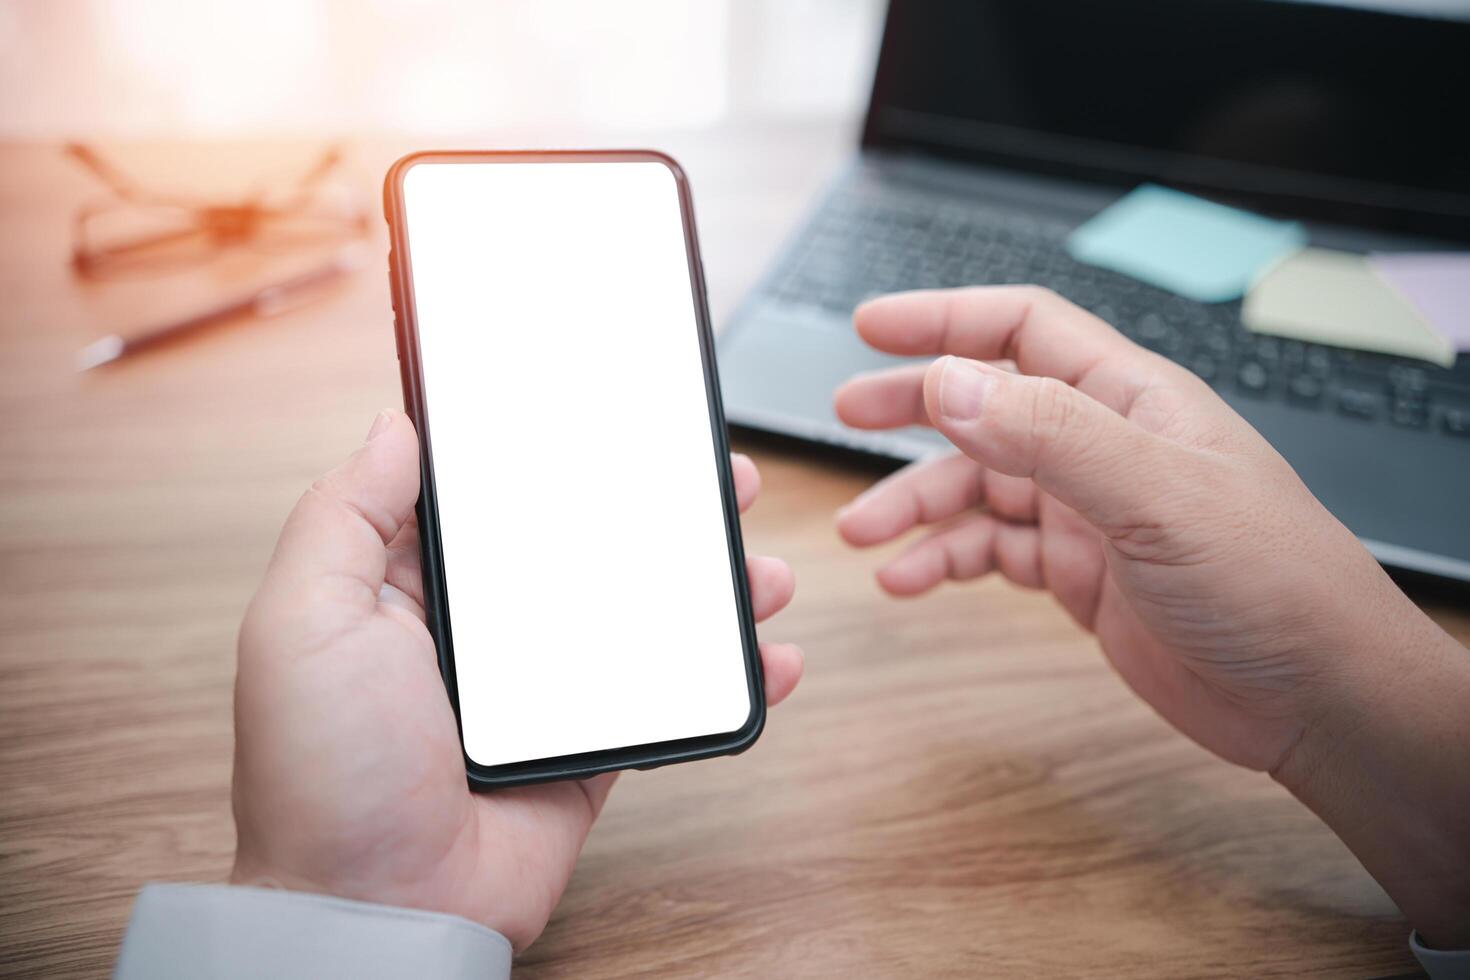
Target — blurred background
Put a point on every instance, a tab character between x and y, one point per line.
179	105
432	68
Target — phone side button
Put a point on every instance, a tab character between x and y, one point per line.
393	299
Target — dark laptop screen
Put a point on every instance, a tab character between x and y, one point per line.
1349	114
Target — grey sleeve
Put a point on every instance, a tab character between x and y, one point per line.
1441	964
227	931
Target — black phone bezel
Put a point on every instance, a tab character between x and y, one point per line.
436	599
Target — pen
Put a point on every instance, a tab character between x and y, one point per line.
267	301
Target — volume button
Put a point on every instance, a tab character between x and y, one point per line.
393	299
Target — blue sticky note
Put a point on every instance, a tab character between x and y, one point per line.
1187	245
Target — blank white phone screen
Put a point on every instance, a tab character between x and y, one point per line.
590	591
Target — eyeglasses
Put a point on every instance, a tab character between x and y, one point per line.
139	232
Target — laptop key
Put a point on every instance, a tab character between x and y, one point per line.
1253	377
1403	378
1456	422
1412	413
1304	389
1206	367
1358	404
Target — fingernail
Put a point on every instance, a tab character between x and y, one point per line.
961	390
381	423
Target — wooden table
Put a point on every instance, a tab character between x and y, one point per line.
960	785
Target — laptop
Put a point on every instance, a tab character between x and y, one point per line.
995	127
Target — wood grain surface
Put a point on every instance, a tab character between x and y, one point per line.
960	786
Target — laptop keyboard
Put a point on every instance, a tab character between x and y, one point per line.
869	240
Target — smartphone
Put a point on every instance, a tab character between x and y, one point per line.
584	578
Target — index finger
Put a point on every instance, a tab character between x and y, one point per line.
1042	332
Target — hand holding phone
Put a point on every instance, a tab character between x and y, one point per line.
553	337
349	778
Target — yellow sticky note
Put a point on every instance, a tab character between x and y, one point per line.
1329	297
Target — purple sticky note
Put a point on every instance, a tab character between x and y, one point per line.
1437	284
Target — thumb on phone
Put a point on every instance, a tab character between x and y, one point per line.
333	545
